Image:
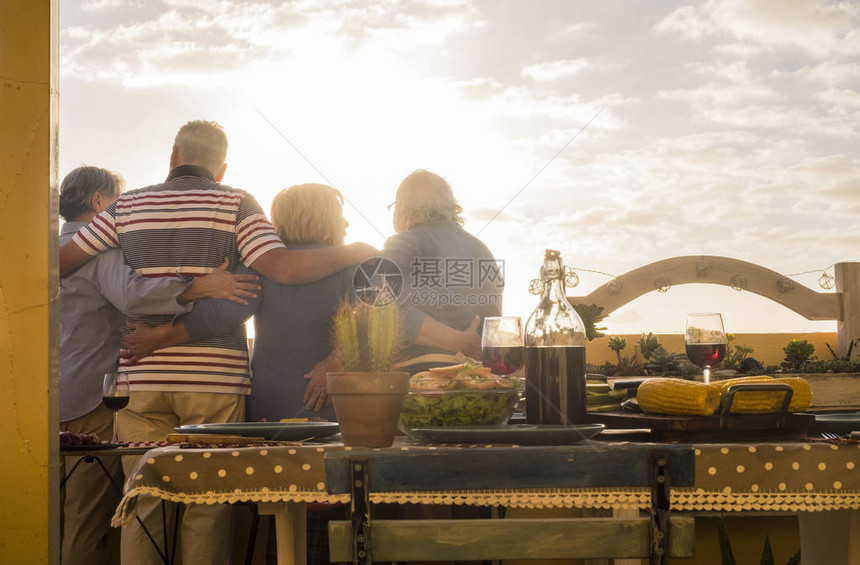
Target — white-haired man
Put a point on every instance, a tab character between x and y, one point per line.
186	226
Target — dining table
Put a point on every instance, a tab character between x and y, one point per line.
801	476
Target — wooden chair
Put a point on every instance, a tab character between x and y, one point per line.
593	466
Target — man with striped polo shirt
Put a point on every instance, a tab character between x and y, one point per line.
186	226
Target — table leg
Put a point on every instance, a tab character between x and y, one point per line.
290	530
626	513
830	538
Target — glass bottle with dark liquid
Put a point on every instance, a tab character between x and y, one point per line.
555	353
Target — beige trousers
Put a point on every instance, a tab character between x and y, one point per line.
205	531
89	500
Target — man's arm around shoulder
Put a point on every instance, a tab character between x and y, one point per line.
299	266
72	257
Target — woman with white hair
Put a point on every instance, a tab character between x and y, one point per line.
449	274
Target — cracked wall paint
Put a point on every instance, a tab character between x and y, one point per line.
4	196
29	517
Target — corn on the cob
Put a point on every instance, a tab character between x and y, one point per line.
725	384
676	396
759	402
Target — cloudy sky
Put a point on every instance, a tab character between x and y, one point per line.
719	127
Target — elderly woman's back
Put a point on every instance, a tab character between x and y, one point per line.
293	333
449	274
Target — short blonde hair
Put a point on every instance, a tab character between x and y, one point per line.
202	143
426	198
309	213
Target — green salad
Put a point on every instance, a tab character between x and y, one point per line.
448	408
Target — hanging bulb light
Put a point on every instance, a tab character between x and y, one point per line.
614	287
785	284
738	282
703	268
571	279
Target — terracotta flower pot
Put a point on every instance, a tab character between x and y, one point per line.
367	405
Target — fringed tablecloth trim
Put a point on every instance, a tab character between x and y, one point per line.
126	510
536	498
766	501
682	499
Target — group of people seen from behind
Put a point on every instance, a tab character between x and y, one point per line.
171	272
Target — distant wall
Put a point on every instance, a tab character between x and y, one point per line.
767	347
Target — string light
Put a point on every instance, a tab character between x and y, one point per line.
614	287
571	279
704	268
738	282
825	281
785	284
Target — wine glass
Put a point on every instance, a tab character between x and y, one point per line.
115	396
705	341
502	344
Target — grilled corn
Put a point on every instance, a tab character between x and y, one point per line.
676	396
760	402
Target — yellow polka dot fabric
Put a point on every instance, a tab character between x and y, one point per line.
786	467
760	476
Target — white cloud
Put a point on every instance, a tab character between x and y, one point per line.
188	39
690	22
831	73
99	5
818	27
556	69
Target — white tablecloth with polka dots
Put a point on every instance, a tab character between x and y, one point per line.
796	477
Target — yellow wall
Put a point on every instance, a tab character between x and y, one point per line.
29	520
767	347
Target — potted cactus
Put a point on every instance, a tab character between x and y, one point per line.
367	397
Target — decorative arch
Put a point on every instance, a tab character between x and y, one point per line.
710	269
842	306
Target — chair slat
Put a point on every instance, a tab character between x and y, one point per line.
466	540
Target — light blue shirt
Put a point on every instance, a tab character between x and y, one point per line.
92	300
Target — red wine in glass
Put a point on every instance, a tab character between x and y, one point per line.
115	396
503	360
706	354
705	341
502	344
115	403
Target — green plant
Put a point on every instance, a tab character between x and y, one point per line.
661	362
591	315
627	366
367	337
735	354
616	344
835	364
728	557
648	344
796	352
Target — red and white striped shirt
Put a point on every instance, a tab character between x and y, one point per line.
185	227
